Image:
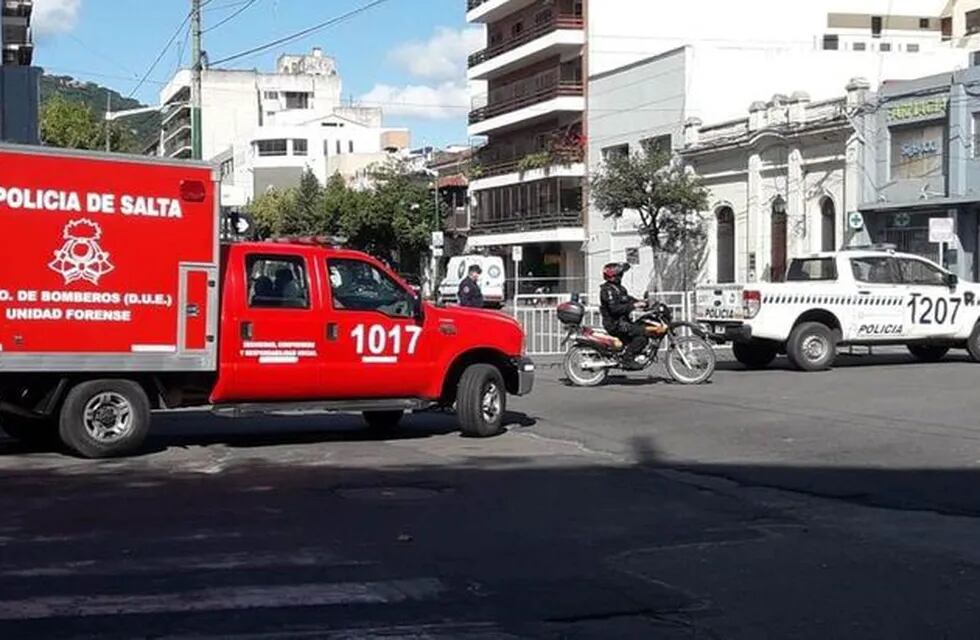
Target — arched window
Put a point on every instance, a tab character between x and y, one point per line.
779	239
725	244
828	225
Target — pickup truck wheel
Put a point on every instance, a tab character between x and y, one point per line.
383	421
928	353
755	354
36	433
481	401
812	346
104	418
973	343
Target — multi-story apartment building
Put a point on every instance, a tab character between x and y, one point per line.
265	129
528	179
18	79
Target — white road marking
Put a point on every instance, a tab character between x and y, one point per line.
316	594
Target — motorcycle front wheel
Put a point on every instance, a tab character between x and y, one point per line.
579	376
690	360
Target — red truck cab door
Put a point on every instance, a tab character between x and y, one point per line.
376	346
272	334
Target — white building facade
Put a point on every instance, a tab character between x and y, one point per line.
265	129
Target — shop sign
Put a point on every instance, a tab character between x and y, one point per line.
920	109
942	230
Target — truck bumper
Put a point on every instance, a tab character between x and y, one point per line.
731	332
525	376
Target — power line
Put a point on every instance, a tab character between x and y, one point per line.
162	53
234	15
300	34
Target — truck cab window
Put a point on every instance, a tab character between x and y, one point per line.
277	282
874	270
360	286
920	273
812	269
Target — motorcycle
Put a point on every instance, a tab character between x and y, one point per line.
592	353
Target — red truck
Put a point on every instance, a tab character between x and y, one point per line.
117	299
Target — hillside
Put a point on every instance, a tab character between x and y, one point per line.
145	126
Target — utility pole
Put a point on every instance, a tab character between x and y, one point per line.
108	129
196	151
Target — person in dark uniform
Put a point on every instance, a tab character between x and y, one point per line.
469	293
616	307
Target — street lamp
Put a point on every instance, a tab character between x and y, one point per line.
779	206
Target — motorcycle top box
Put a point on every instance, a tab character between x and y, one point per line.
571	312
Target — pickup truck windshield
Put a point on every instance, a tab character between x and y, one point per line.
812	269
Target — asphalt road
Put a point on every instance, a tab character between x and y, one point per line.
764	505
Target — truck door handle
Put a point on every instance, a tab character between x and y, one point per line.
193	310
332	332
246	330
864	293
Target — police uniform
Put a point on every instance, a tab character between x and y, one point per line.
469	293
616	308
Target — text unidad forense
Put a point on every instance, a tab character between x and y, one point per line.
70	201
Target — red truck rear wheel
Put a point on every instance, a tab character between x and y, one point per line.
481	401
104	418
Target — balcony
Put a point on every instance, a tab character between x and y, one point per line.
524	223
563	96
562	35
485	11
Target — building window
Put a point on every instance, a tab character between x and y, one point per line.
271	95
973	22
828	225
297	100
300	147
228	171
350	146
271	147
615	152
338	147
917	151
976	135
516	29
326	148
875	26
657	144
975	59
946	27
912	48
885	46
923	23
831	42
860	46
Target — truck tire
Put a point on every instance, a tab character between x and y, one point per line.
973	343
383	421
481	401
812	346
104	418
755	354
35	433
928	353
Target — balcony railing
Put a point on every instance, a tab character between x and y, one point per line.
473	4
535	32
503	167
562	89
535	222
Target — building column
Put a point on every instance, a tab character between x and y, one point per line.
796	213
749	226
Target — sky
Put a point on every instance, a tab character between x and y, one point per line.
406	56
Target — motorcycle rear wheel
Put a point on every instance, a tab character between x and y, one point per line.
579	376
691	360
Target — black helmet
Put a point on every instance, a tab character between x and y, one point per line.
613	272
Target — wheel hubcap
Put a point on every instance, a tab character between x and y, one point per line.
815	348
492	403
108	417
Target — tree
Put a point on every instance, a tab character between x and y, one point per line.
269	211
668	199
302	216
72	125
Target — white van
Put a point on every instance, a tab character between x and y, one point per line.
491	280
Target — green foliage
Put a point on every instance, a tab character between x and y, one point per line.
143	128
534	161
392	220
667	197
72	125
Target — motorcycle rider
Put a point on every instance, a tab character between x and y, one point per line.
617	306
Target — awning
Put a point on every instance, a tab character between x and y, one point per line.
930	204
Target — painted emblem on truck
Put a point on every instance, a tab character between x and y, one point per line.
81	257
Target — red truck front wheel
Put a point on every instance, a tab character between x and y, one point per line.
481	401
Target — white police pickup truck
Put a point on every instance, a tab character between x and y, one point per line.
851	297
